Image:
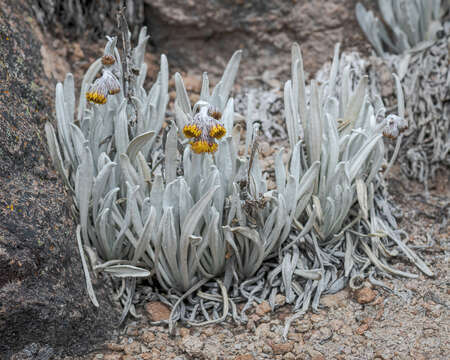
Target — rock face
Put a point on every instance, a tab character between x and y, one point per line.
202	35
205	33
44	308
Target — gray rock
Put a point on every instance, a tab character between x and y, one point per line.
192	345
44	308
209	31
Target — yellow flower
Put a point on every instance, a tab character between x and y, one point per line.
96	97
106	85
204	127
203	146
217	131
191	131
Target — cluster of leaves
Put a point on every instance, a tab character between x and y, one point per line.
408	23
205	227
424	76
102	157
413	42
354	230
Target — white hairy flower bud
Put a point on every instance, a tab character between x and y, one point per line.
106	85
204	127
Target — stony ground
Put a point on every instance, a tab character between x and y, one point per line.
410	322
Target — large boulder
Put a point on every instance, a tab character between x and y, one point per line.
203	33
45	311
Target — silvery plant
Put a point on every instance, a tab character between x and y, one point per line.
414	44
339	130
405	25
183	207
138	217
245	224
103	152
424	76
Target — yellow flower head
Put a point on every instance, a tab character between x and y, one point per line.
217	131
203	146
204	128
96	97
191	131
106	85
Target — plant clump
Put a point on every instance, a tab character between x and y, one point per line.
184	208
405	24
413	41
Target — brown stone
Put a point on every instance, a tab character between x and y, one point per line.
128	357
336	324
112	356
208	32
132	349
362	329
156	354
184	332
251	326
365	295
280	300
263	308
303	325
297	337
318	357
289	356
209	331
244	357
157	311
379	355
132	331
148	337
316	318
263	330
335	300
378	300
114	347
282	348
315	355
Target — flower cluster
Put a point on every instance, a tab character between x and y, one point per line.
107	84
204	128
395	125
